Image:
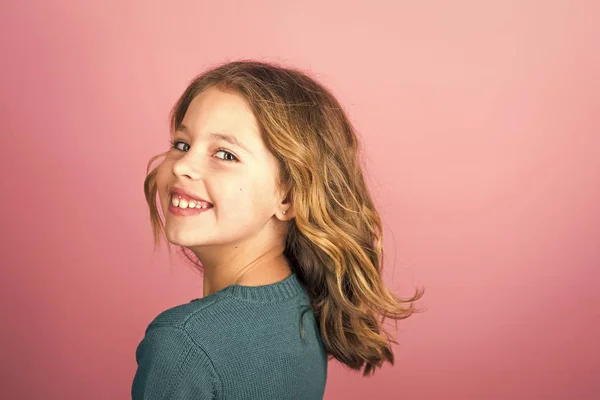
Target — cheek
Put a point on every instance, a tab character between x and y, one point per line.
262	196
242	195
247	198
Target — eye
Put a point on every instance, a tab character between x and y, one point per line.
174	144
226	152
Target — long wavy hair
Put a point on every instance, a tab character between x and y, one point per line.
334	242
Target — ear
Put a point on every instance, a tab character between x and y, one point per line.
287	206
289	211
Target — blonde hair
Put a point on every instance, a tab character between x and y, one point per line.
334	243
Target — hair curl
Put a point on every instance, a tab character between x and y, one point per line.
334	243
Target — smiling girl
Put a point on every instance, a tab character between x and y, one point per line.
263	186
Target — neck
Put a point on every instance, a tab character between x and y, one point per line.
267	267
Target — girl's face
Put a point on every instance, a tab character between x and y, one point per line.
239	180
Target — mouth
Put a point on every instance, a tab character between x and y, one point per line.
187	211
181	193
184	206
183	202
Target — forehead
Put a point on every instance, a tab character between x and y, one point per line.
216	111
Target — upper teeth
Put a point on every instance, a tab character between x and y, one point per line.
177	201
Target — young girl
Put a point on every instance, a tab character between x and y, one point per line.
263	184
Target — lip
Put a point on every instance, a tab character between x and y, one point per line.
184	192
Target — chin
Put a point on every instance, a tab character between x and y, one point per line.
179	238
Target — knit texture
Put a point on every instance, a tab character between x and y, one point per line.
242	342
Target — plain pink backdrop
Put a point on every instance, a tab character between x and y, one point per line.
481	128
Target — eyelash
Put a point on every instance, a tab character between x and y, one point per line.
174	142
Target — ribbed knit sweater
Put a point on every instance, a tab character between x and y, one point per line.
242	342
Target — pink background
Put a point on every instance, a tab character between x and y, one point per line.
481	127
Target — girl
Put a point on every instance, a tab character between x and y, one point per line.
262	183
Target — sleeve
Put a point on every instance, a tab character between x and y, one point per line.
170	365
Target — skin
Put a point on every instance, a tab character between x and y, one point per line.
241	239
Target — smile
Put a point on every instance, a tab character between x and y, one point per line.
185	202
181	207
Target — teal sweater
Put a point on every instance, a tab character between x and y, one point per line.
242	342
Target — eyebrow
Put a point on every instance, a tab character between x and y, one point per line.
217	135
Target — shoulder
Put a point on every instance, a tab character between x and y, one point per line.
203	320
211	320
221	310
180	315
212	335
170	364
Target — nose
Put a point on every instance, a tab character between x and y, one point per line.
187	165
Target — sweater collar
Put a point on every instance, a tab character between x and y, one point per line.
278	291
